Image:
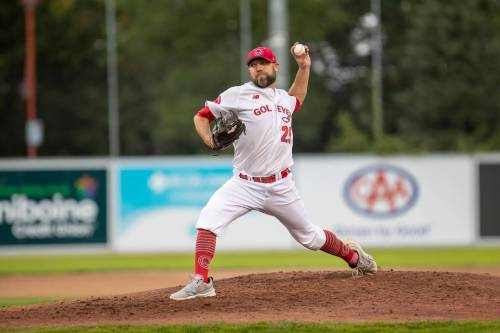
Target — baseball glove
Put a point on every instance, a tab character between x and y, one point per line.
226	130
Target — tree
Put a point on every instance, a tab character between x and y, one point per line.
450	65
71	78
12	111
441	69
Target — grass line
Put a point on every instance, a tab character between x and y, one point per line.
421	327
7	302
393	258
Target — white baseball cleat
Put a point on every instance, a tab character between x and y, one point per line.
366	264
196	288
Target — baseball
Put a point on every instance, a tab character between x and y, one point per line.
299	49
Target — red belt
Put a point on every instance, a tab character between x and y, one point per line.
268	179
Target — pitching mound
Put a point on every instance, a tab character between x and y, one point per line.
389	296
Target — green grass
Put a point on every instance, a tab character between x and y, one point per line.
4	302
465	257
303	259
423	327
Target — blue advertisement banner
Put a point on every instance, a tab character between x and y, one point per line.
159	204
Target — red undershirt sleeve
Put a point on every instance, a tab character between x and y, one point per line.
205	113
297	105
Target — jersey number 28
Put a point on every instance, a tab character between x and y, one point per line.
287	134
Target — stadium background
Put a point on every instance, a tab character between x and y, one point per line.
106	165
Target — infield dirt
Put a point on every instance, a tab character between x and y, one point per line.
389	296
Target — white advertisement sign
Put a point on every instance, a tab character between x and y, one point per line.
393	201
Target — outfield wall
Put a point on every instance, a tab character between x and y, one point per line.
393	201
151	204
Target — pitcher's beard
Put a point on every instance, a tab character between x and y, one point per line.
264	81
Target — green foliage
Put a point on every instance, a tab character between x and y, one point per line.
12	112
349	137
174	55
452	55
441	69
71	74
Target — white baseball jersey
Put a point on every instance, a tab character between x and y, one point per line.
266	148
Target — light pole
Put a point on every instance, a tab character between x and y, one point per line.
376	78
278	38
34	129
113	106
245	36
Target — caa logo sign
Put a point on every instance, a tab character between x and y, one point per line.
381	191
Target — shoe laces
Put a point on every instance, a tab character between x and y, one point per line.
196	280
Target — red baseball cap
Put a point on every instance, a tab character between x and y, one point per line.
262	53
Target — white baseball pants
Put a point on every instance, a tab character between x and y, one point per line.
280	199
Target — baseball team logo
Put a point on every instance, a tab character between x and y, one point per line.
259	51
381	191
204	261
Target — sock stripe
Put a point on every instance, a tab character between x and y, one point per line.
204	252
335	246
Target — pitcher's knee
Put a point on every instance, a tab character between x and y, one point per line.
309	245
314	240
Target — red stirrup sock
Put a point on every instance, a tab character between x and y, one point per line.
204	252
335	246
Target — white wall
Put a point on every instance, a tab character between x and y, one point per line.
392	201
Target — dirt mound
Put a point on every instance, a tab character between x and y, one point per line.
389	296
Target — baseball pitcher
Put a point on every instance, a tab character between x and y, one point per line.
256	118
